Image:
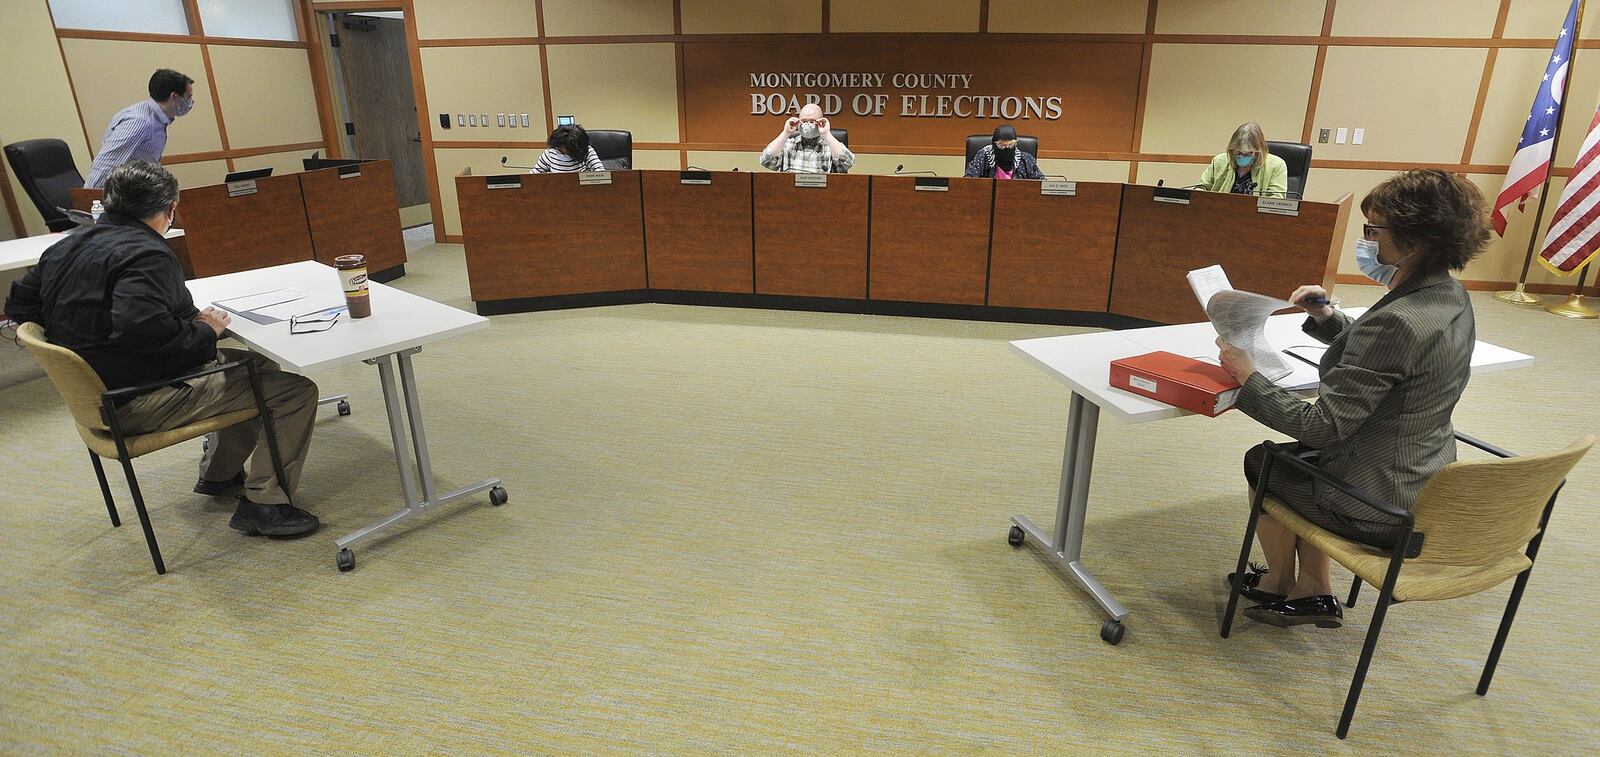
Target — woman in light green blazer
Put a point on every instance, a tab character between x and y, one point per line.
1246	167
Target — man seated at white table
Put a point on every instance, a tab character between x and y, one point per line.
114	294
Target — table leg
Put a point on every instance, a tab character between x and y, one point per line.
1072	502
404	407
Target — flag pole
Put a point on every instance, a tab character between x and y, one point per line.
1518	296
1575	307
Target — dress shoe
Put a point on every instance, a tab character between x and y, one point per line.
1322	610
231	487
272	520
1252	579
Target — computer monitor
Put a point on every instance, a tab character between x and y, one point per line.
259	173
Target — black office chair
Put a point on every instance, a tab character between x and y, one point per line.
976	142
843	135
47	173
1298	156
614	146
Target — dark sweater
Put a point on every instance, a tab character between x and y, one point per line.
114	294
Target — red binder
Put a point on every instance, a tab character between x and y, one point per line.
1183	382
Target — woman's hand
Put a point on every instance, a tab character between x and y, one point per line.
1235	361
1304	294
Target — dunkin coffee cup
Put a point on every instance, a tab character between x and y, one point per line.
353	275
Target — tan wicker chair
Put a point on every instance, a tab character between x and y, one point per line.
94	413
1474	526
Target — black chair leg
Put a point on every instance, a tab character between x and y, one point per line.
1355	589
144	517
105	489
1366	661
1505	631
1238	571
268	427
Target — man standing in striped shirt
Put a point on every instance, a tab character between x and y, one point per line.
139	131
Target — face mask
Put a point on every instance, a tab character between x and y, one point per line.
1244	161
1005	157
809	131
1367	261
185	104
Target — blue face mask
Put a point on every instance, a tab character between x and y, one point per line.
1367	261
1244	161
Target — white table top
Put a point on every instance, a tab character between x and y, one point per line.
24	252
1083	361
399	319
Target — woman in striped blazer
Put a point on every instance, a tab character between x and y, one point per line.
1390	380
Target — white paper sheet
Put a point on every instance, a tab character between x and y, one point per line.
305	305
1240	319
1208	281
252	303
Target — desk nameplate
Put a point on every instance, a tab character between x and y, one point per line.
597	178
1174	196
502	182
931	184
1279	206
1057	188
811	180
242	188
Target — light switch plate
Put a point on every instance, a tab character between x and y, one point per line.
483	118
524	120
1340	135
1358	136
500	120
472	120
461	119
1322	136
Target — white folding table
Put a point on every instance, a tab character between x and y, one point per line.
401	323
21	253
1083	363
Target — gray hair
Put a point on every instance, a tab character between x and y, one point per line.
140	189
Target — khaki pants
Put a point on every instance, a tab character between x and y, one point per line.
291	398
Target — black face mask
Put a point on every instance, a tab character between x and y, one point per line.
1006	158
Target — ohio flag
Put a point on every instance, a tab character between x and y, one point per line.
1531	165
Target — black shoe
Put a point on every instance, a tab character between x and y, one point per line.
272	520
1252	579
233	486
1321	610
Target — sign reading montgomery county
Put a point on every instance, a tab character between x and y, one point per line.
923	92
771	99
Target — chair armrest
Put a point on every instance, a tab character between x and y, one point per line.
1284	456
129	392
1485	446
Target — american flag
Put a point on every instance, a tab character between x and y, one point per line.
1531	165
1574	236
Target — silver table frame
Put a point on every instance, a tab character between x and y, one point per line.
1077	462
407	402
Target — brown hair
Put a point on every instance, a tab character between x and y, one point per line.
1438	214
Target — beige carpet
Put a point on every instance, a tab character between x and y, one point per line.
737	531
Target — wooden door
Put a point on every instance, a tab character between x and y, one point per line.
377	85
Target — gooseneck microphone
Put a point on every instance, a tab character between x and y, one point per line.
503	162
899	170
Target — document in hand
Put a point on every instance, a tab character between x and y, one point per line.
1240	318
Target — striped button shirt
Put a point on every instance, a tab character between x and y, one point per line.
556	161
137	132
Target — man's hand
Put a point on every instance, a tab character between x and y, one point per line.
1235	361
826	127
791	126
217	319
1319	312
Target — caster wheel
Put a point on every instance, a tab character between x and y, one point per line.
1016	536
344	407
346	560
1111	632
498	496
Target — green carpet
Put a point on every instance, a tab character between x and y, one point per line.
752	532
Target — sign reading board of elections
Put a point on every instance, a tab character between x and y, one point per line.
915	91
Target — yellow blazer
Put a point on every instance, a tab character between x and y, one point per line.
1271	175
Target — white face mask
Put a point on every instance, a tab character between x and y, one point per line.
809	130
